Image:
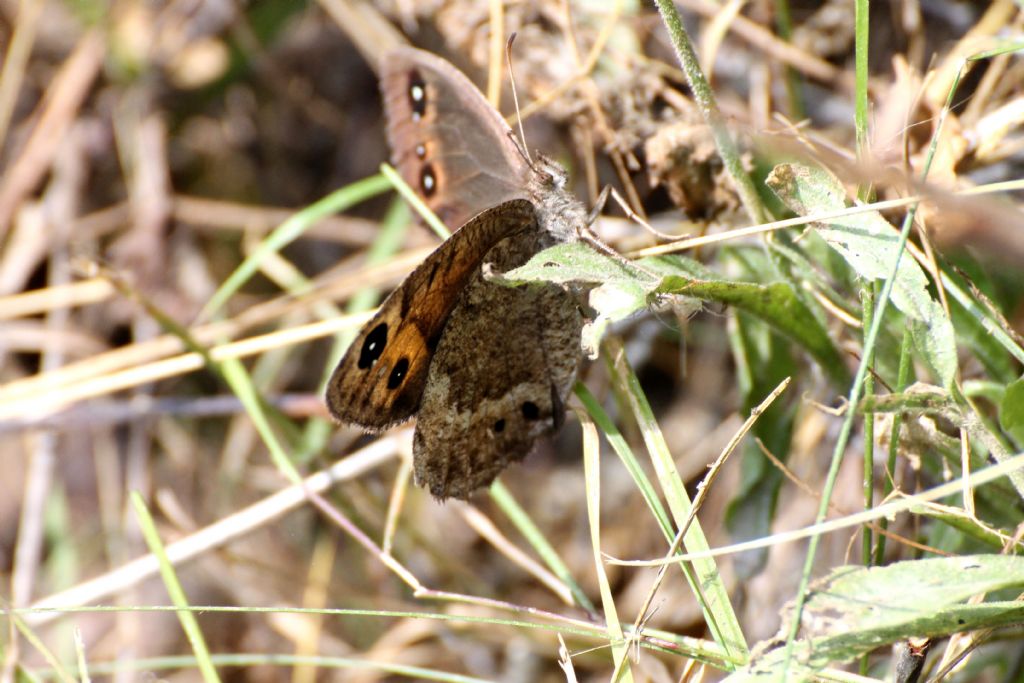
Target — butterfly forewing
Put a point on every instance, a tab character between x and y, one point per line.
448	143
379	381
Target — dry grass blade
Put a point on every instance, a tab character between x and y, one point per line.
214	535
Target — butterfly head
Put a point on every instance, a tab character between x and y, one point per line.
550	172
560	214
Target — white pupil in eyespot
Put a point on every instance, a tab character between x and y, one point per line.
428	182
417	93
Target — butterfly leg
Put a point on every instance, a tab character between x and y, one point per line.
599	203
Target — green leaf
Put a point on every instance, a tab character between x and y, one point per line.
1011	410
576	262
763	360
622	288
928	399
867	242
855	610
987	348
611	302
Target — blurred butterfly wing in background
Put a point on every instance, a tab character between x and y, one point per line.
447	142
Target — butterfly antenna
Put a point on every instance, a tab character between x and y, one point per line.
515	98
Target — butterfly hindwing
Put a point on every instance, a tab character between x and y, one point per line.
380	379
499	379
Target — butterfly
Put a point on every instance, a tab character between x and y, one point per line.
486	368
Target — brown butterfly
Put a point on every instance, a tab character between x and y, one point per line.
486	368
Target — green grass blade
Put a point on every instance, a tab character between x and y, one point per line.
592	475
709	588
705	99
291	229
625	453
188	620
535	537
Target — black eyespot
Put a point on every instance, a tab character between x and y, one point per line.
398	373
499	426
428	181
530	410
417	93
373	346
